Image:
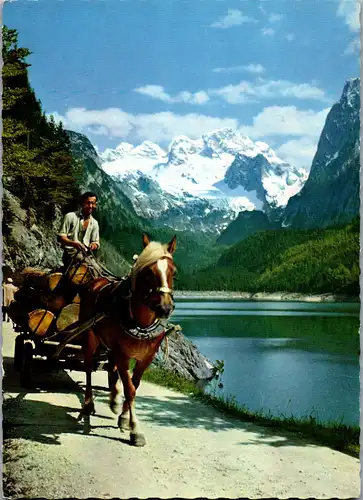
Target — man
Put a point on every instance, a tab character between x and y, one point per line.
8	296
80	232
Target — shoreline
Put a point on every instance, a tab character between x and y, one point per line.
335	435
266	296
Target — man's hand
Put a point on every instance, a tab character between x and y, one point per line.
75	244
93	246
79	246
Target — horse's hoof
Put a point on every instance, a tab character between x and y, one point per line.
123	423
115	407
137	439
89	408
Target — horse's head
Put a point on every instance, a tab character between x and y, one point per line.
152	277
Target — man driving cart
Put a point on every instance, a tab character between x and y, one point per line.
79	234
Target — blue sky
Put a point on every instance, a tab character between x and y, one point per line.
134	70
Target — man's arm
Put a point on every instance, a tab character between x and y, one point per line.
64	230
95	236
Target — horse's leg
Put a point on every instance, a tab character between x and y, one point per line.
112	384
137	437
127	418
89	348
129	393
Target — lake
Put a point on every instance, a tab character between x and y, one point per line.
290	358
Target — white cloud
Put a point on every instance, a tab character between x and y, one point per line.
242	92
158	92
268	32
298	152
273	18
246	91
158	127
298	129
353	47
349	11
256	69
290	37
286	121
234	17
295	131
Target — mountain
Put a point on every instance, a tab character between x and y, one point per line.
246	224
121	226
202	184
331	193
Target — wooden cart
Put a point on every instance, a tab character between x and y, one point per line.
29	346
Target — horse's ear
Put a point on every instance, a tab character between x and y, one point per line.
172	245
145	239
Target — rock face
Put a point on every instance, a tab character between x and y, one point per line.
274	183
184	359
331	193
26	241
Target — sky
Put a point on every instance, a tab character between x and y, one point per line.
135	70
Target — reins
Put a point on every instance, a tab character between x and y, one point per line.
151	332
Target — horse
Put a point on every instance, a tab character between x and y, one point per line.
133	329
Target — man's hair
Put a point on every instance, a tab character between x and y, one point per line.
88	194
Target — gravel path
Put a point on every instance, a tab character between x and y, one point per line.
192	451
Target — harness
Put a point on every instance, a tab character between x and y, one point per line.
113	300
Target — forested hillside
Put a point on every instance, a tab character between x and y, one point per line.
319	260
37	163
40	175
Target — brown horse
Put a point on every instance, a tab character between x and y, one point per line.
132	329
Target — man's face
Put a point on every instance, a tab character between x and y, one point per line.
89	205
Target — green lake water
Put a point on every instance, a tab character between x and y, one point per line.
289	358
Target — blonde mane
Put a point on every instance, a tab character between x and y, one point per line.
151	254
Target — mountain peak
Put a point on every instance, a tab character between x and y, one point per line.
149	149
351	92
181	147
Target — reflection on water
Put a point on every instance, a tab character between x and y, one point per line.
287	358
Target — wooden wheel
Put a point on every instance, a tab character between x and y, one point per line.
18	352
26	365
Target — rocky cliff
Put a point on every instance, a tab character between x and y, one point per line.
26	240
331	193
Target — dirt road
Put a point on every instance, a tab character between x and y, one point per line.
192	451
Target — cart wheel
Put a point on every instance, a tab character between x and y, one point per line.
26	366
18	352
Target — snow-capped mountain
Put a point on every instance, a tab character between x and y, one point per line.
206	181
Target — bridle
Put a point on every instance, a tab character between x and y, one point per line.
147	298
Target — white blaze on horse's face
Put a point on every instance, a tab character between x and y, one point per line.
162	266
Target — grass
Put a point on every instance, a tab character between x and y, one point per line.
335	435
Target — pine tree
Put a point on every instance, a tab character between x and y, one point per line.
37	162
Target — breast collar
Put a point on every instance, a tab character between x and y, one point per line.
119	306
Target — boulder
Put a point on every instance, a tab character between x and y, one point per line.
184	359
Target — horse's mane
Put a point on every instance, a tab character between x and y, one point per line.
151	254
